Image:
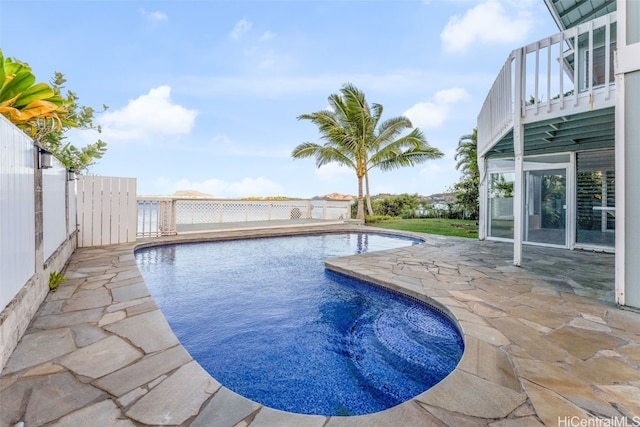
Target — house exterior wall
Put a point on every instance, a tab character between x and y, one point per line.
628	155
631	212
624	100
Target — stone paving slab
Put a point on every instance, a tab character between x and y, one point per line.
57	342
176	399
99	352
105	413
149	331
101	358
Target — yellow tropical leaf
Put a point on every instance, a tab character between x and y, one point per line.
9	102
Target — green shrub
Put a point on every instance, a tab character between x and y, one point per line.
408	214
377	218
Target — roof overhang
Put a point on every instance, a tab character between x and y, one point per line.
569	13
585	131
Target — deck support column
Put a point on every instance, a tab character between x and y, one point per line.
482	198
518	150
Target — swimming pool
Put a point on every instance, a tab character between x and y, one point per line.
265	319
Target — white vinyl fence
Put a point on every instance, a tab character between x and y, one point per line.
54	220
107	210
17	211
37	231
165	216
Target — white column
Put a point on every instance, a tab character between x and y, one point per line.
482	196
518	150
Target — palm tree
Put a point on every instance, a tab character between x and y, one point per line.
467	154
468	188
354	137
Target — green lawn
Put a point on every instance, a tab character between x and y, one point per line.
446	227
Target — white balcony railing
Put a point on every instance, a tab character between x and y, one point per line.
567	73
164	216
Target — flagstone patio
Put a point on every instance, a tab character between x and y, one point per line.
543	343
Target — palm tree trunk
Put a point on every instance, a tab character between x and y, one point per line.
368	195
360	214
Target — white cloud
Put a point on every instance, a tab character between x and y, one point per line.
426	115
441	170
153	114
271	86
450	96
267	35
332	171
432	114
156	16
246	187
224	145
272	61
487	22
435	171
241	27
255	187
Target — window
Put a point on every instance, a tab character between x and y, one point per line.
595	198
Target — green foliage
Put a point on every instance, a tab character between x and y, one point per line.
500	187
26	103
45	114
468	189
392	206
396	206
371	219
440	226
468	195
553	198
408	214
56	278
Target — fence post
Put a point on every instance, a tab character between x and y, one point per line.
174	227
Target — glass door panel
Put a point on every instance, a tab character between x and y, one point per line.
546	206
501	204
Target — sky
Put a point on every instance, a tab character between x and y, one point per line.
205	95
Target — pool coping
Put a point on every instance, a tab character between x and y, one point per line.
496	381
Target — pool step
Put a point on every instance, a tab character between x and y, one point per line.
403	354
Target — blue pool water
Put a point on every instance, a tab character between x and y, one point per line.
266	319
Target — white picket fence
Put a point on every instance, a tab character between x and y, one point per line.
107	210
